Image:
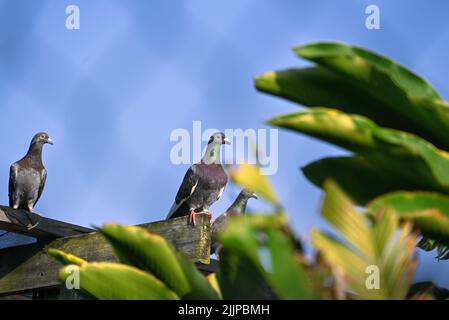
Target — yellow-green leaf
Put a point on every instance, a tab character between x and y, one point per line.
66	258
426	166
429	211
399	90
149	252
359	178
376	260
114	281
248	176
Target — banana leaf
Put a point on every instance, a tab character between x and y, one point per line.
359	178
400	90
150	252
427	210
406	156
362	247
317	86
114	281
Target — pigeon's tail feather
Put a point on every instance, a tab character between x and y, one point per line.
178	210
173	209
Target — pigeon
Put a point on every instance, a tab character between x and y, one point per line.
27	176
236	209
203	184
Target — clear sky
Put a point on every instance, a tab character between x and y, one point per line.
111	92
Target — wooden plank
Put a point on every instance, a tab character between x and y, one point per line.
209	268
30	267
20	221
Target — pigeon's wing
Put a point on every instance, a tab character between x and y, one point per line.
220	193
41	185
187	187
13	172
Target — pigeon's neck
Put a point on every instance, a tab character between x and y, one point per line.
35	151
212	154
239	205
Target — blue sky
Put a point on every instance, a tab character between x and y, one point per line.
111	93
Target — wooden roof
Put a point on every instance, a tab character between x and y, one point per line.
25	264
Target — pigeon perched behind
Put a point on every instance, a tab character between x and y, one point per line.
236	209
27	176
203	183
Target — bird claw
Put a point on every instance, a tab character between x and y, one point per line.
193	217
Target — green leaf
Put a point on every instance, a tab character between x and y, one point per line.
287	276
240	278
399	89
114	281
387	149
341	213
365	65
357	176
150	252
242	271
362	245
248	176
213	281
427	210
317	86
65	258
241	274
201	289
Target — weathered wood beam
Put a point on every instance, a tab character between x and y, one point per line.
30	267
20	221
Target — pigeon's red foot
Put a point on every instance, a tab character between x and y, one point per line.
193	216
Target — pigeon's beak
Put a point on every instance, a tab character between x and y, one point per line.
226	141
254	196
50	141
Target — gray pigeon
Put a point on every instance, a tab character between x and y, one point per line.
203	183
27	176
238	208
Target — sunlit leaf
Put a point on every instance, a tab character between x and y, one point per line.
248	176
243	264
426	166
317	86
429	211
287	276
150	252
66	258
412	100
359	178
212	278
113	281
363	248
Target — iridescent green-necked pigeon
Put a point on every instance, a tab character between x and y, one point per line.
203	183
